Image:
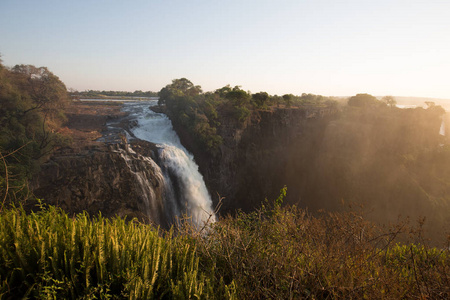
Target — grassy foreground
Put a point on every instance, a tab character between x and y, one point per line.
275	252
48	255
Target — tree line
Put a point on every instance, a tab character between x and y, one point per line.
104	94
202	112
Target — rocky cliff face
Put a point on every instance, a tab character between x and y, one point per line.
254	158
114	179
326	158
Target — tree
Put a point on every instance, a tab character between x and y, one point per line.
276	100
46	92
31	102
389	100
238	96
222	92
260	99
437	109
288	99
40	105
178	88
363	100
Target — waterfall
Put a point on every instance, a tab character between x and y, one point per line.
189	192
144	169
442	129
185	191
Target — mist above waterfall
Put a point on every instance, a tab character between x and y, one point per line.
186	194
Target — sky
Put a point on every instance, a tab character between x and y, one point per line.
326	47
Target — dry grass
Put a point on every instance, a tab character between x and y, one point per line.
285	253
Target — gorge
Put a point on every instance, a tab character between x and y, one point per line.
385	159
386	162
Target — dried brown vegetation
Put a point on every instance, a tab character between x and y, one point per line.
286	253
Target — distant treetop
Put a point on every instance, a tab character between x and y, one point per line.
363	100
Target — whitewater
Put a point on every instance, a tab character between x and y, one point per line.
186	195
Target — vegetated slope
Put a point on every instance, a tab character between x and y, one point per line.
388	159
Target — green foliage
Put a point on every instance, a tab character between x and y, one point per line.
305	100
179	88
194	111
363	100
241	113
288	99
204	115
32	101
238	97
31	110
51	255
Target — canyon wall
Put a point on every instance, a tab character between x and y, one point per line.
389	161
253	161
106	178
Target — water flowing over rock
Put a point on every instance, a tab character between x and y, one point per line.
186	194
144	170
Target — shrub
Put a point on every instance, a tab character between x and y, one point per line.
286	253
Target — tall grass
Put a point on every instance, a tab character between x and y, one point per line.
49	255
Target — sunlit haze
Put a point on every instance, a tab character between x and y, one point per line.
336	48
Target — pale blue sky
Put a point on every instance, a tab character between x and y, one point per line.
327	47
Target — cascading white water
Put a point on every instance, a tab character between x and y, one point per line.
138	164
442	129
186	194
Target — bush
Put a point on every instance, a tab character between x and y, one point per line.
286	253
